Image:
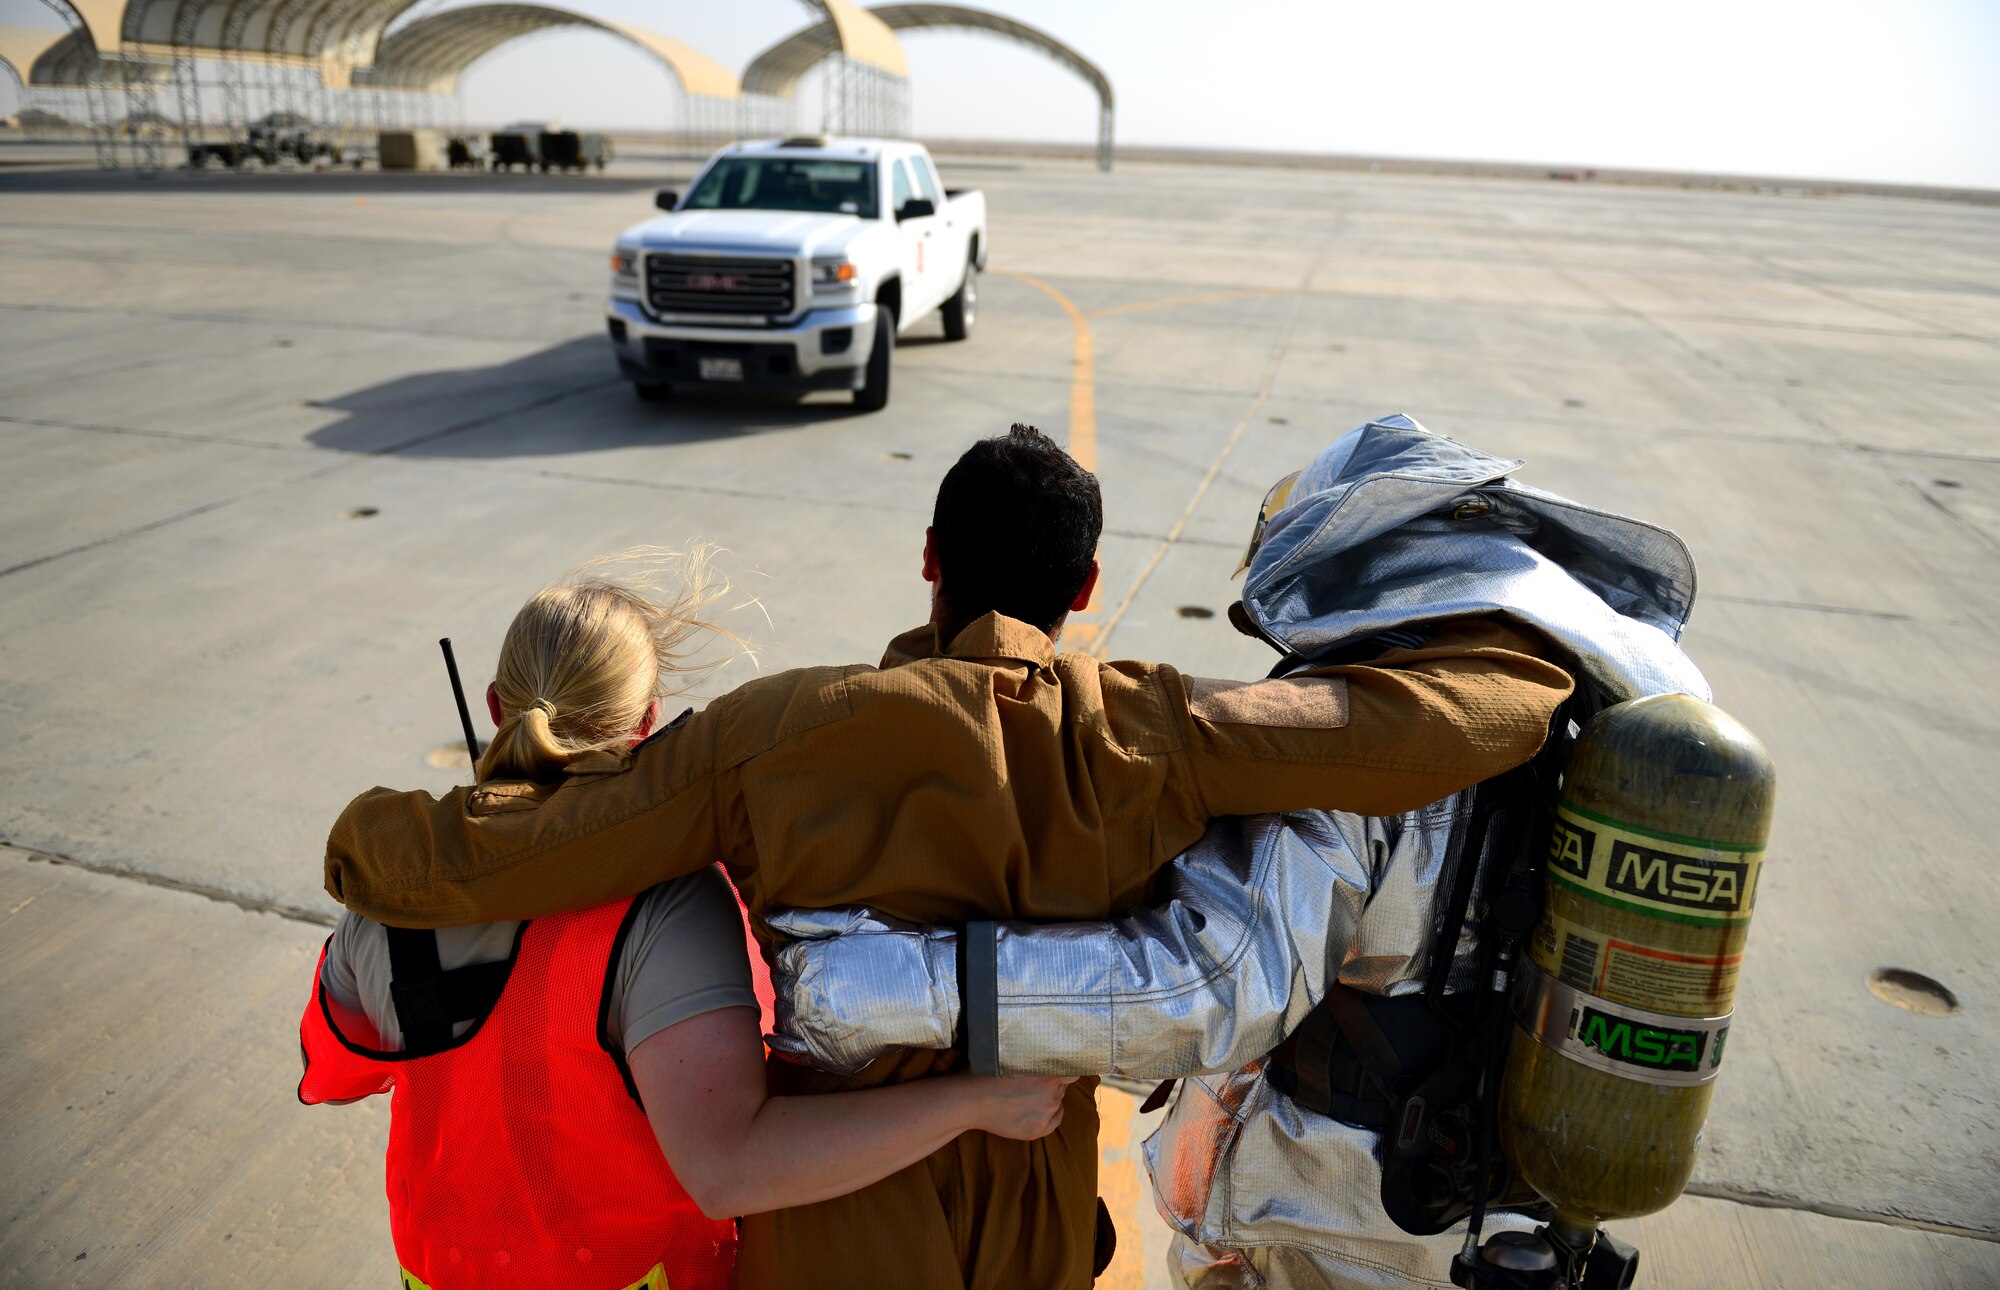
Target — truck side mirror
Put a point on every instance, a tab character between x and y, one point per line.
916	208
666	199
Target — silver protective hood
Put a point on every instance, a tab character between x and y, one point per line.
1393	526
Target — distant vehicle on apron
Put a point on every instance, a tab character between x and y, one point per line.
794	264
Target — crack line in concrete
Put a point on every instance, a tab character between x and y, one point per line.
706	490
177	436
1888	615
163	521
1826	1209
1102	644
221	895
1834	435
1938	453
348	461
301	324
487	418
1832	293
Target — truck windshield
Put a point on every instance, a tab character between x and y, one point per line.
787	184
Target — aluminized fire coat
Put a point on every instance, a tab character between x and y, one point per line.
1389	528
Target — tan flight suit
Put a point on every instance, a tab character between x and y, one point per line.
992	779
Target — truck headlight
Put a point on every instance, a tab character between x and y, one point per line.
833	275
625	263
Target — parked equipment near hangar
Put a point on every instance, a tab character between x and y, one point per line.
465	154
513	148
274	139
566	150
411	149
226	152
282	135
538	145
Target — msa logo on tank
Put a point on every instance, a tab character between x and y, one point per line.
1716	887
1707	881
1649	1047
1570	850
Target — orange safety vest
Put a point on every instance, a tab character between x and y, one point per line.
518	1153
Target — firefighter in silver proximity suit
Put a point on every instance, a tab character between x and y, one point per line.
1388	529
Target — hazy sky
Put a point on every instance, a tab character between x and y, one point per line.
1899	90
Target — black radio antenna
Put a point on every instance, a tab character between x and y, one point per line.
464	713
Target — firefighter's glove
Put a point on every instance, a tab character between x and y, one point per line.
895	986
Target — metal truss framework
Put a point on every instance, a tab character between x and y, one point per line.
350	68
776	73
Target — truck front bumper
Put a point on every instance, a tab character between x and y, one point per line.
826	349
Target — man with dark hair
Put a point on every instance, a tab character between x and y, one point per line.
975	774
1017	523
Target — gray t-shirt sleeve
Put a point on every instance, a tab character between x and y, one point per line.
337	976
683	956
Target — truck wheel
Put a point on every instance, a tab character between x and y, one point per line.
651	393
962	310
874	395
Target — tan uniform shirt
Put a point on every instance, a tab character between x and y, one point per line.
991	778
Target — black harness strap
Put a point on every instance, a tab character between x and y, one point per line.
612	1048
429	1001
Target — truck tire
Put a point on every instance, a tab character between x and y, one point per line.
962	310
651	393
874	395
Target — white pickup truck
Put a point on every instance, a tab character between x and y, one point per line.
794	263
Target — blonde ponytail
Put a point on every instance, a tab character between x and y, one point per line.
586	655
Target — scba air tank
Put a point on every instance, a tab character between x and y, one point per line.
1624	997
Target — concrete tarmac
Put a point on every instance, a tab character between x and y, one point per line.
267	437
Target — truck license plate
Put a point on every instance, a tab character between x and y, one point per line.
721	369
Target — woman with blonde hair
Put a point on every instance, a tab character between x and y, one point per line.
580	1100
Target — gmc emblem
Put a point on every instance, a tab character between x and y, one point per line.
712	282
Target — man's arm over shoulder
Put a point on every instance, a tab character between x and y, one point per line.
516	850
1377	738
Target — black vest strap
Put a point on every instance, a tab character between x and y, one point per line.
429	1001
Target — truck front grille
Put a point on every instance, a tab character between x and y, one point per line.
710	284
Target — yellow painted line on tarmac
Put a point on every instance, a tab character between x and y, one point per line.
1121	1187
1082	375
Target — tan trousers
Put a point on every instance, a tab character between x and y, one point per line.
983	1213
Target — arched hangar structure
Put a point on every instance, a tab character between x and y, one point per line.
314	58
429	55
349	65
56	70
37	57
776	72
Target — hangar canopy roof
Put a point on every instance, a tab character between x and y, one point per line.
21	46
349	32
434	51
777	70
